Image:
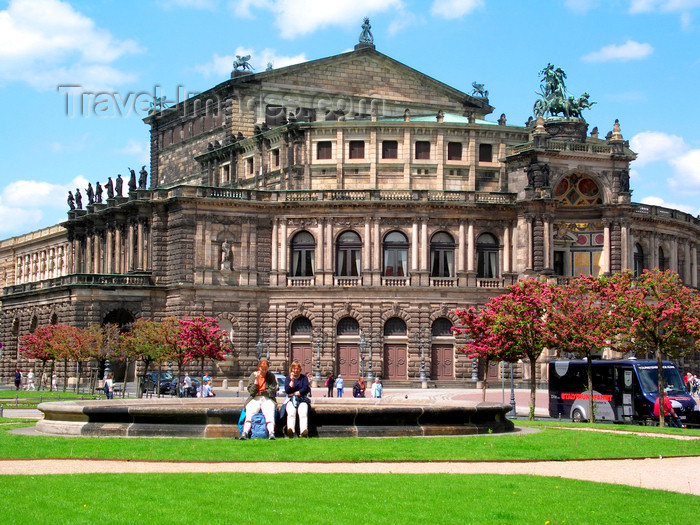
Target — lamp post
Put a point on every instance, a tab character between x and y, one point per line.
420	338
263	342
320	338
363	345
512	392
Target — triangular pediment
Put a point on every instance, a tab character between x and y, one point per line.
366	73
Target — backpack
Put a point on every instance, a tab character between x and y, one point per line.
259	428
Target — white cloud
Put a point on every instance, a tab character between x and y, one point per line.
687	171
663	6
653	146
206	5
222	65
658	201
47	42
301	17
139	150
242	8
630	50
581	7
454	8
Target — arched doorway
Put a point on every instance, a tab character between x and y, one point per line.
120	368
395	345
442	350
300	337
348	362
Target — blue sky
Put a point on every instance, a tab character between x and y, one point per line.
638	59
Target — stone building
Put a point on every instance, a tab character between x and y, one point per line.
336	211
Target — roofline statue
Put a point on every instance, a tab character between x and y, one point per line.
243	63
366	35
554	98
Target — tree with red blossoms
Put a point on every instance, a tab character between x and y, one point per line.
201	338
589	315
665	319
37	345
515	325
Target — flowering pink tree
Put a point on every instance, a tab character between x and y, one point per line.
37	345
201	338
665	319
513	326
589	314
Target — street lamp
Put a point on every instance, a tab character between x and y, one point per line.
320	337
370	374
512	391
420	338
363	345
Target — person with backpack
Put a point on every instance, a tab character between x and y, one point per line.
358	389
262	386
297	388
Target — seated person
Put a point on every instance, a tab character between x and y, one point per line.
297	388
262	386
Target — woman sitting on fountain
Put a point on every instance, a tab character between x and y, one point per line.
297	388
262	386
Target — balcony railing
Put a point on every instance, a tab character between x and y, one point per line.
347	281
443	282
396	281
301	282
139	280
490	283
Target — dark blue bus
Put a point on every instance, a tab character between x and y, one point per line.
624	391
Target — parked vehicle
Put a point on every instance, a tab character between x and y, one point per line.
150	381
624	391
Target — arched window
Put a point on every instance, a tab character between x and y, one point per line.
302	253
301	326
348	254
394	326
33	324
348	326
638	260
442	327
487	256
442	255
662	259
395	255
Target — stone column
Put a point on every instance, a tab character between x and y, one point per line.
377	253
274	254
118	249
414	247
506	249
425	245
606	247
694	266
88	253
471	248
319	255
283	250
461	239
624	247
139	240
328	259
367	249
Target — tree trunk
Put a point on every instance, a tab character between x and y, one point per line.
179	378
65	375
484	383
662	393
589	371
533	388
41	374
53	369
126	375
77	377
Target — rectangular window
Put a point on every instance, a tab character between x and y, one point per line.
485	153
225	175
422	150
249	162
276	158
454	151
324	150
357	149
390	149
305	115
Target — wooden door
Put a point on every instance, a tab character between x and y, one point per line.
395	361
303	353
348	360
442	362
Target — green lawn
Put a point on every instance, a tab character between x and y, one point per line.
332	498
547	444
